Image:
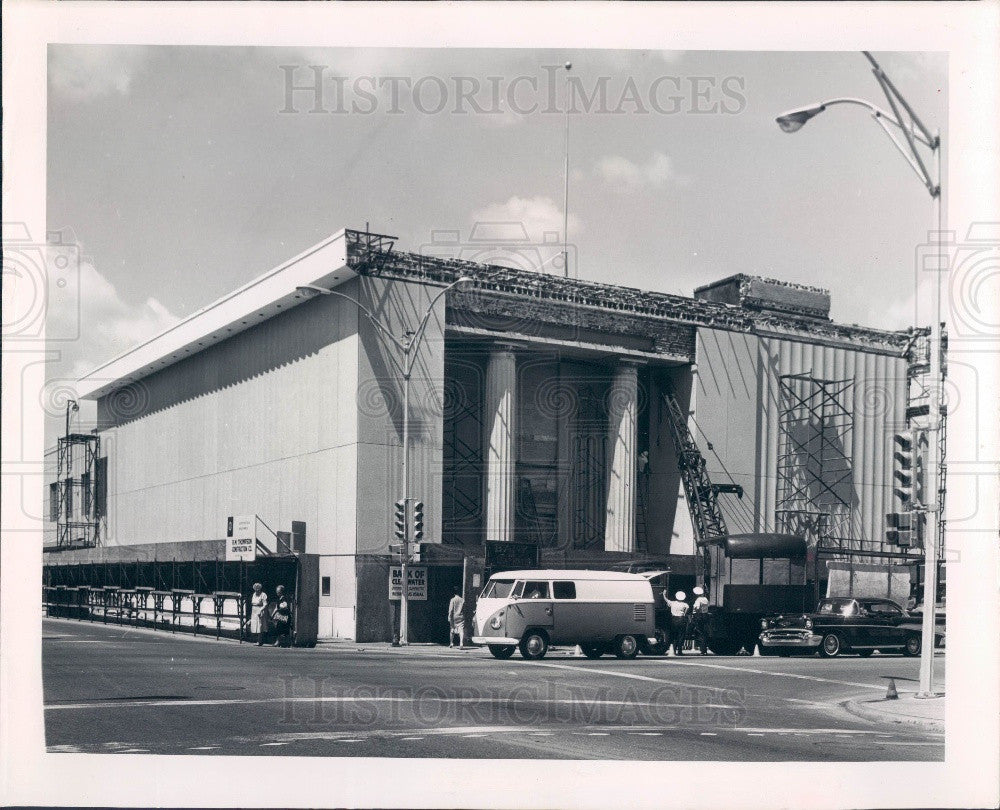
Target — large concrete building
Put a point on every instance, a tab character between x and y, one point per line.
538	407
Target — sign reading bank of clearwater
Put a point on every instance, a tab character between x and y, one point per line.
416	575
241	538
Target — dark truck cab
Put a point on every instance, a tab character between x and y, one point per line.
749	577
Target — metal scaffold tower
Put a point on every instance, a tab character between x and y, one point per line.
78	519
463	456
815	493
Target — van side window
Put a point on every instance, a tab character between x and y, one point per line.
564	590
536	590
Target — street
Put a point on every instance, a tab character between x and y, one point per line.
112	689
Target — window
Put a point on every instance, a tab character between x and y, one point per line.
54	502
498	589
85	494
885	609
101	487
536	590
564	590
325	586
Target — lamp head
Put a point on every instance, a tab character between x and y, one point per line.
794	120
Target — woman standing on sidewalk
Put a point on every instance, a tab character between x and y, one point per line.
258	613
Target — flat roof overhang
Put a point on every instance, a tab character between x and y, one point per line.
323	265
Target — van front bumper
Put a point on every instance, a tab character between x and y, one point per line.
494	640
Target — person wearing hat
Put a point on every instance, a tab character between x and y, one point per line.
699	619
678	620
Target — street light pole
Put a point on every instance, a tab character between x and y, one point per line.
408	347
568	67
913	131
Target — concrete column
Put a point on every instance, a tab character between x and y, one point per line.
500	404
623	416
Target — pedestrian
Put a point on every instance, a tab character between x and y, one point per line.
678	620
258	613
282	617
456	619
699	619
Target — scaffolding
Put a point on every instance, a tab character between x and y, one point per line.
80	490
815	476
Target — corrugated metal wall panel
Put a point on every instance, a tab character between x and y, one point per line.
879	403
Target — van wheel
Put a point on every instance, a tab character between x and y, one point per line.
625	647
502	651
534	645
593	650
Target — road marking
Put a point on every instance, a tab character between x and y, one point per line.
275	743
879	687
709	734
754	734
375	699
630	676
420	738
203	748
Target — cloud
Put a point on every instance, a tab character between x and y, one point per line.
108	325
83	72
624	175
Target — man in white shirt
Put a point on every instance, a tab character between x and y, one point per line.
699	619
678	620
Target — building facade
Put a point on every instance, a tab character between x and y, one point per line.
539	412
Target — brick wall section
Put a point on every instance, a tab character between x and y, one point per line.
619	310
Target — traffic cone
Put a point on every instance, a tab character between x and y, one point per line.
891	693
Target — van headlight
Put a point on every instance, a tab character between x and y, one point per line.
496	621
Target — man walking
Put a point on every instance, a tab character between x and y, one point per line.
456	620
699	619
678	620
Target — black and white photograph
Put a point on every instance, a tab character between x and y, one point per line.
422	406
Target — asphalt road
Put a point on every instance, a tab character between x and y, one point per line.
115	690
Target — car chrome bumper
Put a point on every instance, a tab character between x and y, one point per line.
799	640
494	640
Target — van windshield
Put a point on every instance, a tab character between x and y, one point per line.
498	589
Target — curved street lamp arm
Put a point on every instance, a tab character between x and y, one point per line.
879	113
414	341
371	316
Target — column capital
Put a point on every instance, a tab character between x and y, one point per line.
505	346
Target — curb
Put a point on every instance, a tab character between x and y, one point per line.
865	710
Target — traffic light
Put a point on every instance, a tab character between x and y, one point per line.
903	467
899	529
400	521
418	521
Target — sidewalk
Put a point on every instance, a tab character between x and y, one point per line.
907	709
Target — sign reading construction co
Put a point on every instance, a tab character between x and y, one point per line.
417	578
241	538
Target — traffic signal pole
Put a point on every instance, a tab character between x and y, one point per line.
934	478
404	597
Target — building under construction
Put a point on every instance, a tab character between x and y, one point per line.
596	423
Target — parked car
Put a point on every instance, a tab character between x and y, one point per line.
844	625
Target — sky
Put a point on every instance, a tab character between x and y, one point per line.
183	172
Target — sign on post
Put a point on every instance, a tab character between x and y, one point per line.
417	577
241	539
